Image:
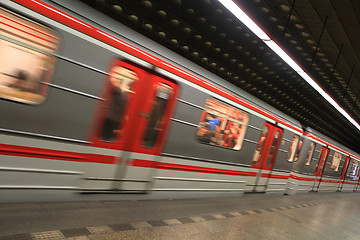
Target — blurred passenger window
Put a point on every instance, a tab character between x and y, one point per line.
353	170
120	88
156	121
222	125
335	164
297	155
310	153
26	50
271	154
293	146
260	145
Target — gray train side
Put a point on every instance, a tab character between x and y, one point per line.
44	146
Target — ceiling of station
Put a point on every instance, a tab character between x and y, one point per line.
322	36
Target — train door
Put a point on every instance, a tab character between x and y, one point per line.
320	168
265	155
358	182
351	177
134	119
343	174
354	174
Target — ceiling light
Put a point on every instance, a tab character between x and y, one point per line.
252	26
244	18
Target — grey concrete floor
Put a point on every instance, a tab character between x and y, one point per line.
309	216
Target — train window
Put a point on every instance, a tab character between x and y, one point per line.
155	124
310	153
222	125
293	146
353	170
260	145
28	48
335	164
121	86
298	150
274	143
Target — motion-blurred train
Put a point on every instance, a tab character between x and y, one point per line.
91	109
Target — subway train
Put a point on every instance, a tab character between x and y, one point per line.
91	109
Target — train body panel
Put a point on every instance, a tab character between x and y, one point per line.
186	132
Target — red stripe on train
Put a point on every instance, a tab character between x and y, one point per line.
330	181
352	183
313	179
275	176
323	180
21	151
187	168
301	178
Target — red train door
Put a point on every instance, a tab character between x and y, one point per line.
320	168
343	174
356	177
133	119
358	182
264	156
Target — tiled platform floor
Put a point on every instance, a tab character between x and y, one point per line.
310	216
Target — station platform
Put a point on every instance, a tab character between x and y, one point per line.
251	216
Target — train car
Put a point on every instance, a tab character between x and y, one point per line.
93	110
323	166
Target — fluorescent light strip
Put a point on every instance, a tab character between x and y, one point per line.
283	55
244	18
247	21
